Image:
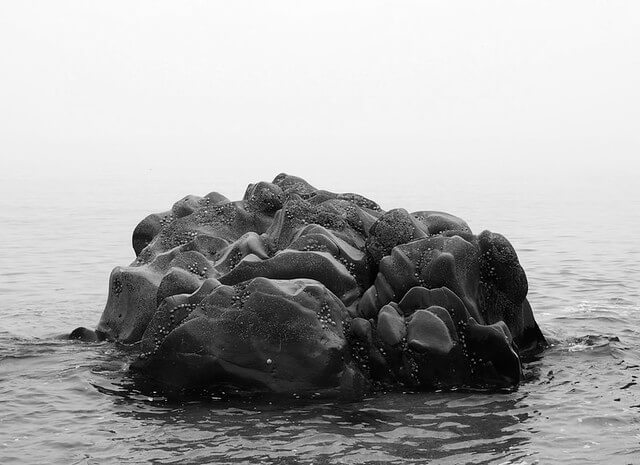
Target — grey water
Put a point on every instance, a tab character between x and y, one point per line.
74	403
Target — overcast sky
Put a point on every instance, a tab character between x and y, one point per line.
321	89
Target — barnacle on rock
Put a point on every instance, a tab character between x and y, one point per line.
295	289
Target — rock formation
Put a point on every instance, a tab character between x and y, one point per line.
296	289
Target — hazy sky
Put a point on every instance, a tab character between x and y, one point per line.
329	90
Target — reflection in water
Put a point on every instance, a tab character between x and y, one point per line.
572	394
77	403
391	427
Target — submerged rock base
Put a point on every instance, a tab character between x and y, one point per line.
295	289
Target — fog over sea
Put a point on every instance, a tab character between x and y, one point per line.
519	118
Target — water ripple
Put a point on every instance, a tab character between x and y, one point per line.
66	402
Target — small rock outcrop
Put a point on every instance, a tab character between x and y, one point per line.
296	289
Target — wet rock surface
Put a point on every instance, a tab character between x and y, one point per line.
296	289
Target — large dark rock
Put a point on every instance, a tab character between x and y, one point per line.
295	289
279	335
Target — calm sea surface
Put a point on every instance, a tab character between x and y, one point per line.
74	403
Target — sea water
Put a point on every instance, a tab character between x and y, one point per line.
74	403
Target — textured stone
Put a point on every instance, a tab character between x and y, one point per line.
391	325
284	336
428	333
297	289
